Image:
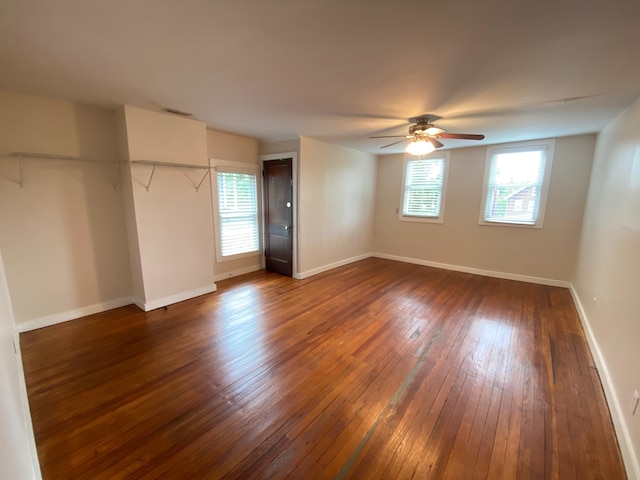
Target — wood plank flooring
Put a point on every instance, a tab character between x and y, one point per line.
378	369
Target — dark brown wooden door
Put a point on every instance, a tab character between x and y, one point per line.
278	203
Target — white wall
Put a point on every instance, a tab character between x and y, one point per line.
126	183
608	272
63	234
335	205
233	148
18	458
547	253
171	223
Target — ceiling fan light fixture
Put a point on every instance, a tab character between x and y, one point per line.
419	147
434	131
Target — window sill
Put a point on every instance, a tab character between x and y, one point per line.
497	223
416	219
237	256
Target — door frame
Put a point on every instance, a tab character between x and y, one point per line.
294	213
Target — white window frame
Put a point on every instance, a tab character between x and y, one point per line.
549	146
443	190
242	168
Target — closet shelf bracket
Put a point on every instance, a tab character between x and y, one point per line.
21	156
153	170
20	180
180	166
199	184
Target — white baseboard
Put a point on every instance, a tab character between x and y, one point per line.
631	462
61	317
26	409
235	273
476	271
138	303
331	266
178	297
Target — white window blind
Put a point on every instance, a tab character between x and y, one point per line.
238	210
515	184
423	187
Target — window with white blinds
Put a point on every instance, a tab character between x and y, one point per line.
516	184
238	213
423	188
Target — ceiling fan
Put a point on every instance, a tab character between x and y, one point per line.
424	136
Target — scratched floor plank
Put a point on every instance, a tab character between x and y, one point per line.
377	369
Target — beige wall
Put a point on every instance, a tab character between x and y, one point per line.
233	148
173	222
608	273
62	235
335	204
17	446
547	253
279	147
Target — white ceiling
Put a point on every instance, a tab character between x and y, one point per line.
336	70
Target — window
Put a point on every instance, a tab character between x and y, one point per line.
238	228
516	184
423	188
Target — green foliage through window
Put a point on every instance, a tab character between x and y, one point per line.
514	185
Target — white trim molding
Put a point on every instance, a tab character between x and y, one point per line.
330	266
239	271
631	462
69	315
178	297
62	317
26	409
445	266
476	271
546	145
445	156
226	166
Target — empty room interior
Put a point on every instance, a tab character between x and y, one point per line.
308	239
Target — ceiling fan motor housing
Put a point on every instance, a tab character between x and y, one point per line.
419	128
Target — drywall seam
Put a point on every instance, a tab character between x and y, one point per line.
61	317
622	432
178	297
476	271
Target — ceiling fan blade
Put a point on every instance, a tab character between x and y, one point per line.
390	136
435	142
461	136
399	141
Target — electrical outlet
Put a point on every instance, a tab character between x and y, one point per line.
634	402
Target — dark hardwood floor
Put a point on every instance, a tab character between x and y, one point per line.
378	369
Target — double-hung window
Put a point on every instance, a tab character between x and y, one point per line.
238	231
424	188
516	183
